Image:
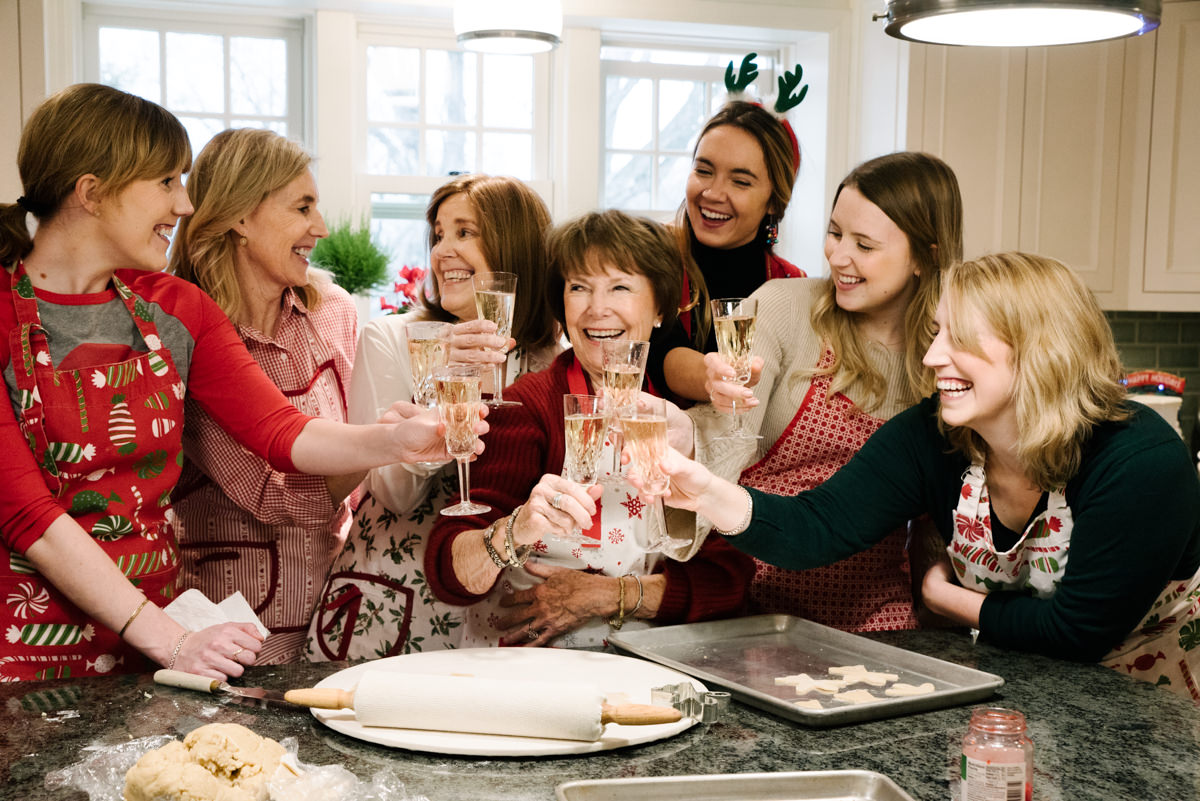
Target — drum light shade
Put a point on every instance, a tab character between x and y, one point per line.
508	26
1019	23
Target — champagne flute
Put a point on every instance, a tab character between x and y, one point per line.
733	319
584	423
428	352
495	298
458	400
644	427
622	373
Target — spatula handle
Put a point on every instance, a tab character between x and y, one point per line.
321	698
188	681
638	714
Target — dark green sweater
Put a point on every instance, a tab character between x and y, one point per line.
1135	502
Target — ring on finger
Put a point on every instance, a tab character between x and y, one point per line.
532	634
556	501
235	653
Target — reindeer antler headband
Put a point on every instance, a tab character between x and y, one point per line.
787	99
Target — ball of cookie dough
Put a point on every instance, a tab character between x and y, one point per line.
217	762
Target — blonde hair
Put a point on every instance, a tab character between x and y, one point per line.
1066	370
513	221
919	193
236	171
88	128
782	167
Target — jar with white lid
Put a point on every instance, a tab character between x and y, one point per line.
997	757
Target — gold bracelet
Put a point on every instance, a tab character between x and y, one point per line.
136	612
178	647
518	555
619	620
745	524
641	594
491	549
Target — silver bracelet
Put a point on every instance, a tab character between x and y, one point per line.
518	555
178	647
641	595
491	549
745	524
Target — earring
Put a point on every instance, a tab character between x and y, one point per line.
772	229
243	241
658	323
96	212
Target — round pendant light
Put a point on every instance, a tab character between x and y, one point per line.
1019	23
508	26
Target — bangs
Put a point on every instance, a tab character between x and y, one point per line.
962	323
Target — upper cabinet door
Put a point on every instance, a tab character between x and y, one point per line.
1172	250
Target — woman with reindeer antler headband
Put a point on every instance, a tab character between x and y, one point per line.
743	169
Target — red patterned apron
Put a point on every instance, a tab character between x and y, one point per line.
870	591
107	438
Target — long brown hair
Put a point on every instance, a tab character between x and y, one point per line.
88	128
236	171
513	221
919	193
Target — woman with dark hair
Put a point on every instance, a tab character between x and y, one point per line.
100	348
377	601
838	357
1030	452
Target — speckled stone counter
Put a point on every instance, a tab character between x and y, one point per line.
1097	735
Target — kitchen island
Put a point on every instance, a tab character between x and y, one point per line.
1097	735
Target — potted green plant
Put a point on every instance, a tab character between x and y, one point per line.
357	263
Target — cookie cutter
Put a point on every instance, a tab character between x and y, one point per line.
705	707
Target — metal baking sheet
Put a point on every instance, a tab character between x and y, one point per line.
830	785
746	655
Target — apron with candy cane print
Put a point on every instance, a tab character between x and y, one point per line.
107	438
1163	649
870	591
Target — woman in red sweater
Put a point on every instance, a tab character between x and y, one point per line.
611	277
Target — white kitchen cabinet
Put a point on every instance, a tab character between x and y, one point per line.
1077	152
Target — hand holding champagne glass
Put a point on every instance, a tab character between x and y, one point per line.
584	423
495	299
458	400
623	371
644	428
428	352
733	319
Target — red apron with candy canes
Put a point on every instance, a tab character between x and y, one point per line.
1163	649
870	591
107	438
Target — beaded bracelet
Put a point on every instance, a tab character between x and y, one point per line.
136	612
619	619
178	647
518	555
745	524
491	549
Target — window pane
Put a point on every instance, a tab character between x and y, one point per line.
681	113
508	154
258	76
451	88
629	113
393	81
672	180
508	91
398	225
196	72
200	130
627	181
278	126
129	61
392	151
449	151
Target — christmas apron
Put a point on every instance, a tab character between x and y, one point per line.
870	591
1163	649
107	438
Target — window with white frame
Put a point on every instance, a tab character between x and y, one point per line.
656	100
213	72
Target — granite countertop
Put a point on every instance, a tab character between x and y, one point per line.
1097	735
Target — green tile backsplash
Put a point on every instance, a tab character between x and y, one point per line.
1167	341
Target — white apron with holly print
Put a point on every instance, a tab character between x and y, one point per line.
616	547
1163	649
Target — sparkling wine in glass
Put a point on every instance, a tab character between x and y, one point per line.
428	352
458	399
624	367
584	424
495	298
644	427
733	319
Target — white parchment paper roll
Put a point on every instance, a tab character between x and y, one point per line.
557	710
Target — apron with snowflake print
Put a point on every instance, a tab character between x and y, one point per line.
869	591
1163	649
107	438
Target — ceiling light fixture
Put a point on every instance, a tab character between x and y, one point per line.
1019	23
508	26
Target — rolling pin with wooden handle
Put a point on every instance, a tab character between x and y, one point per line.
558	710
